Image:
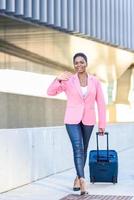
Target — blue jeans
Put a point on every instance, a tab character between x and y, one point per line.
79	135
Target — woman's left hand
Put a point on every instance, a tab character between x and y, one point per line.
101	131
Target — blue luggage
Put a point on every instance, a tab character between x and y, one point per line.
103	164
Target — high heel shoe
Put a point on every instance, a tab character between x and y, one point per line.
83	186
76	186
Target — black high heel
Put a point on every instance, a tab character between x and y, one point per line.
76	186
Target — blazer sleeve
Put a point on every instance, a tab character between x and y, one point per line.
101	105
56	87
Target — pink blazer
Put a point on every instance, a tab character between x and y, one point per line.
81	108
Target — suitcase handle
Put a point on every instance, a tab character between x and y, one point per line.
97	134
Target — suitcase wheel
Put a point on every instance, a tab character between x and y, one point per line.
114	179
92	179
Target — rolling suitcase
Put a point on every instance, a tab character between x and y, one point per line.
103	164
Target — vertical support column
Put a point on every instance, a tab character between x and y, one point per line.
111	108
123	87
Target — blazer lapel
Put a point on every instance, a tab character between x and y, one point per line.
89	85
77	85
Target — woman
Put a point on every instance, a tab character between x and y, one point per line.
82	91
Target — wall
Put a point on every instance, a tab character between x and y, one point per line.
32	153
20	111
29	154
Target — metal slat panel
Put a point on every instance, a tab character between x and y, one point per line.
93	18
112	19
121	23
117	23
82	16
3	5
108	20
10	6
76	16
103	20
19	7
28	8
70	15
88	17
43	11
108	25
132	25
125	27
129	21
57	13
64	22
98	18
50	14
35	9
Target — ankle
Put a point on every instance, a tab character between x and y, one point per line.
83	186
82	179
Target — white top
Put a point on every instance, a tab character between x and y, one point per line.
84	90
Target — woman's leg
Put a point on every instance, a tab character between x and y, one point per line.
86	134
75	135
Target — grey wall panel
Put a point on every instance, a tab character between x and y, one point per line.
125	22
117	22
64	22
57	13
129	22
103	20
20	111
50	13
19	7
35	9
93	18
98	18
88	17
77	15
121	25
43	11
28	8
110	21
132	29
10	5
82	16
2	4
70	15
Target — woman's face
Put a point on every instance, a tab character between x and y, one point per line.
80	64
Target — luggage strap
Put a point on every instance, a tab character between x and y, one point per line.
97	134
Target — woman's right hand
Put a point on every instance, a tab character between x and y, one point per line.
64	76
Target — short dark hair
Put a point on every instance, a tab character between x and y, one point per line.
80	54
